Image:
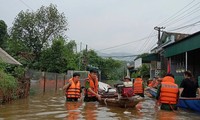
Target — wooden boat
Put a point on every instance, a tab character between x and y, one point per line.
112	97
189	103
121	102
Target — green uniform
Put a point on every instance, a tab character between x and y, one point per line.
86	98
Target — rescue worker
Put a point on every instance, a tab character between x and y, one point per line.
91	87
138	86
73	88
167	94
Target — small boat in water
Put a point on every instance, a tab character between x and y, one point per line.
117	96
122	102
189	103
185	103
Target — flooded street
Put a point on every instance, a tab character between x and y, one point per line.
51	106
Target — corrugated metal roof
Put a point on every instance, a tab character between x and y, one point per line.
5	57
189	43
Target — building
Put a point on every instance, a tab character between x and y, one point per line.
156	59
5	57
184	55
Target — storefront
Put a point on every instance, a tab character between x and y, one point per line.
184	55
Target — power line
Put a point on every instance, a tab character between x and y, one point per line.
125	43
144	45
150	47
184	16
186	26
121	56
168	19
187	21
26	4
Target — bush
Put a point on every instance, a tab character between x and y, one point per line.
7	82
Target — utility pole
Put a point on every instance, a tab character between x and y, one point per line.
159	30
86	59
80	56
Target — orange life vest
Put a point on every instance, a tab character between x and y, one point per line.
150	83
138	87
93	86
74	89
155	84
168	79
169	92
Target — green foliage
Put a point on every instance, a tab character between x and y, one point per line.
2	65
162	73
134	75
59	57
3	34
32	32
110	68
36	40
142	71
142	55
7	82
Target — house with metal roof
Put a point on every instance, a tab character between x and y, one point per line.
5	57
156	59
184	55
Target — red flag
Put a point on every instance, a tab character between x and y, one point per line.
168	66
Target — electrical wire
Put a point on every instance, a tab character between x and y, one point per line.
184	16
186	22
186	26
177	14
25	4
128	43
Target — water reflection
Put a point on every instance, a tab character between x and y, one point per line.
73	111
90	110
53	106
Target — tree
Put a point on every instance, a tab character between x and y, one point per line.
33	32
143	71
3	33
60	57
110	69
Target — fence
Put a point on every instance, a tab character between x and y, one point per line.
51	82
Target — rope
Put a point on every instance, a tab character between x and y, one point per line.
105	101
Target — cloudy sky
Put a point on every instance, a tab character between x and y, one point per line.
115	25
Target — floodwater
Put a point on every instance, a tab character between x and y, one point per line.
52	106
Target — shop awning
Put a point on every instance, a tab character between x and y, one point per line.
150	57
189	43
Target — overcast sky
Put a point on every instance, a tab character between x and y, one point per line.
109	25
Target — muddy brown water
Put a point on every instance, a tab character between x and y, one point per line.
52	106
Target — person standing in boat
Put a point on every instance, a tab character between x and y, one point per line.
73	88
127	79
91	87
189	86
167	93
138	86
